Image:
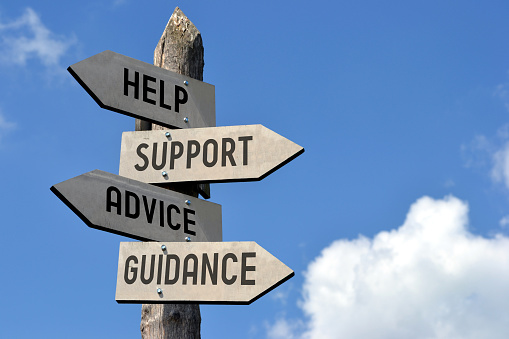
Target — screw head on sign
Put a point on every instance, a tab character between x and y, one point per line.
167	134
186	82
159	291
188	239
188	202
163	247
186	119
164	174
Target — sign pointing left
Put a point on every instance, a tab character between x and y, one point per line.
140	211
140	90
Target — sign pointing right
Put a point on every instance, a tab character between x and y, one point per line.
213	154
201	272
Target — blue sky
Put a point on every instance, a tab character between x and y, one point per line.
395	219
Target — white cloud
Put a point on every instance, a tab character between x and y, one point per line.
27	38
491	152
477	152
283	329
430	278
502	92
5	125
504	222
500	171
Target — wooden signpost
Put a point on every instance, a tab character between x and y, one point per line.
188	264
137	210
214	154
205	273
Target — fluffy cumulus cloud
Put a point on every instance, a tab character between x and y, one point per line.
430	278
27	38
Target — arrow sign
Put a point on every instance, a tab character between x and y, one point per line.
140	211
137	89
216	154
205	273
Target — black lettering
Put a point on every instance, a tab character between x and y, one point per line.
244	268
109	203
188	221
228	153
142	273
146	89
128	213
185	269
167	280
135	83
159	269
163	158
223	275
168	211
244	148
205	266
190	153
178	100
161	95
161	213
142	156
149	212
134	270
174	154
214	152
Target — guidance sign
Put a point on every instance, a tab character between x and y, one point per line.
215	154
137	210
205	273
138	89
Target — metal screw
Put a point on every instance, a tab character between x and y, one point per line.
186	119
186	83
159	291
167	134
188	202
163	247
164	174
188	239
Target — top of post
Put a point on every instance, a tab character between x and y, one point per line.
180	48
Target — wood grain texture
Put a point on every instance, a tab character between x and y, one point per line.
180	50
170	321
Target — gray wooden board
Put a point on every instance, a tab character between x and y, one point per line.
205	273
137	210
105	78
214	154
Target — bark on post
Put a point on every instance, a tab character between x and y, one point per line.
180	50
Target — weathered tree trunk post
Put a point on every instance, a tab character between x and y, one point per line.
180	50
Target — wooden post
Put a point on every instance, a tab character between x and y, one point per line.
180	50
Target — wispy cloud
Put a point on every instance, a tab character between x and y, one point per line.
502	92
500	170
429	278
504	222
27	38
5	126
283	329
491	154
477	152
119	2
